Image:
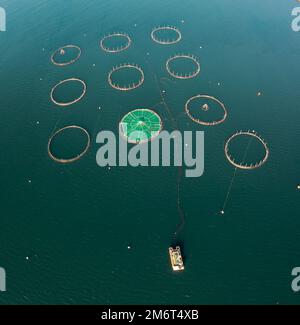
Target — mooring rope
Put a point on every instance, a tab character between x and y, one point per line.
96	123
234	175
179	175
56	124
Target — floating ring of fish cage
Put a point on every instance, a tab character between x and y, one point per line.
129	86
117	49
61	51
73	101
164	41
140	126
242	165
77	157
205	107
180	75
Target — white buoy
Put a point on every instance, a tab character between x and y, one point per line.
298	187
27	257
222	212
37	122
94	65
29	181
128	247
219	83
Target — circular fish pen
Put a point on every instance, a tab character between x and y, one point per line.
206	107
242	165
74	158
168	41
61	53
117	49
127	87
59	103
180	75
140	126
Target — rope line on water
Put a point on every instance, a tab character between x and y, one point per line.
179	175
234	175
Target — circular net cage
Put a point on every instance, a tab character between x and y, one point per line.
73	142
115	42
206	110
69	101
240	162
66	55
126	67
181	59
166	35
140	125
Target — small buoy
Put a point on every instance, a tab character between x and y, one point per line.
37	122
164	91
219	83
135	25
29	181
128	247
27	257
94	65
222	211
182	21
109	167
200	47
148	53
259	93
43	49
41	79
298	187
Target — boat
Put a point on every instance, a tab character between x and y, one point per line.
176	258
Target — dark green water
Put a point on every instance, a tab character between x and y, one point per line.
75	222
